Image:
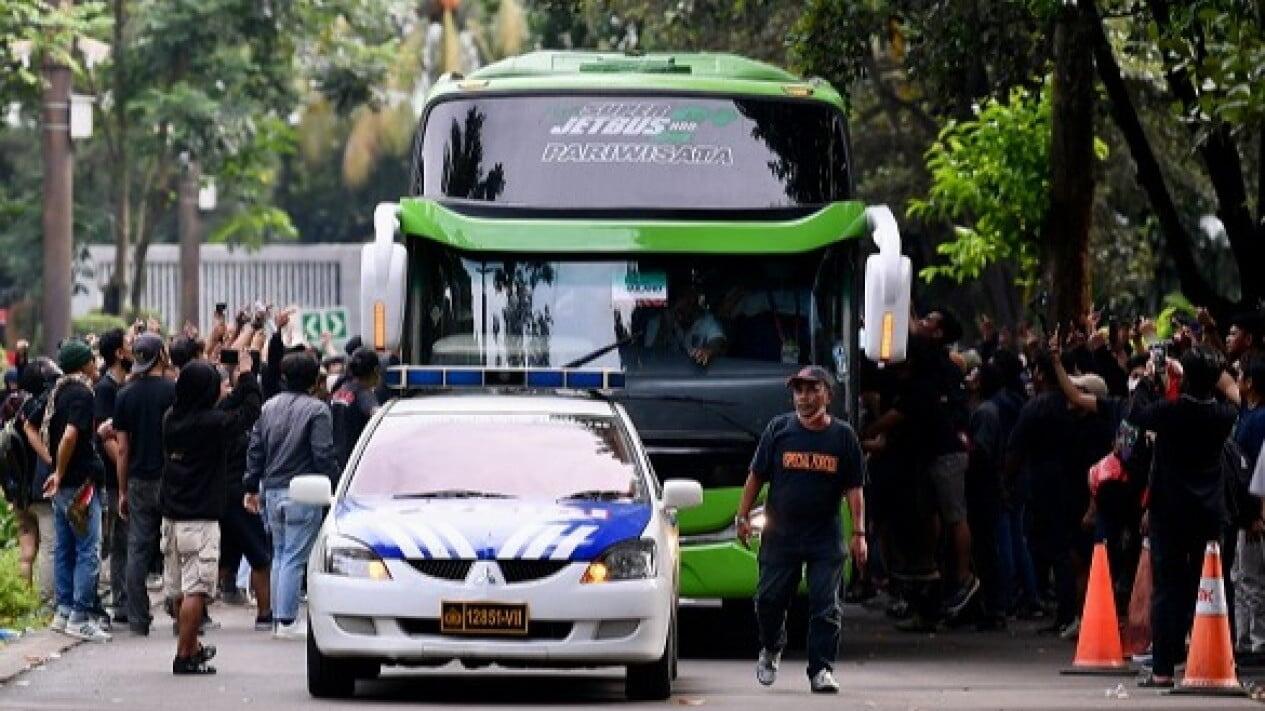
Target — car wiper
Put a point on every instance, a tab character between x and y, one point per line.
597	495
453	494
594	355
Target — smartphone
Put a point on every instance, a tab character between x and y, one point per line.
228	356
1159	355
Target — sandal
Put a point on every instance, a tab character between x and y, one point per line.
1151	681
191	665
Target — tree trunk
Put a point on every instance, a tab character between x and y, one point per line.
117	287
190	242
58	211
1066	238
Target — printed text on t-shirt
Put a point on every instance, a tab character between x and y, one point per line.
810	461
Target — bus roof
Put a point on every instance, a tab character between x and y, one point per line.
702	72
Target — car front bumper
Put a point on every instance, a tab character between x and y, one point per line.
572	624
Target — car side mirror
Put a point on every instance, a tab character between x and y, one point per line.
311	489
682	494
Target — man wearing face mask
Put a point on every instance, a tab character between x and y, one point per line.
810	461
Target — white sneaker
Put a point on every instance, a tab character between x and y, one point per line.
59	623
88	630
294	630
766	667
823	682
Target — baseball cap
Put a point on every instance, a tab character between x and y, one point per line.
1090	383
811	374
146	350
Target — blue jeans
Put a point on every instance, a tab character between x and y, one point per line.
76	560
293	527
779	580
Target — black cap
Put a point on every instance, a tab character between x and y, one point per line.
146	350
811	374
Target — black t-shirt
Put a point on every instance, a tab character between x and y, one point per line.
1040	439
105	394
352	406
934	400
1187	490
74	407
808	473
139	412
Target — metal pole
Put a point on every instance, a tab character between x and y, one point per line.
190	243
58	212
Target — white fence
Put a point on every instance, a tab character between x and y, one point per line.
308	275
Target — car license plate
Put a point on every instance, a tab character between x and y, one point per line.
482	618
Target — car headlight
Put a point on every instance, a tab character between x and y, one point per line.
629	560
351	558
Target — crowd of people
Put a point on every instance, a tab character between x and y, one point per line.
994	469
170	457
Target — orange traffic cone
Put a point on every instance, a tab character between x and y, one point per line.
1098	649
1210	662
1137	626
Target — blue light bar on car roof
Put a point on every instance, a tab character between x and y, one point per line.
420	377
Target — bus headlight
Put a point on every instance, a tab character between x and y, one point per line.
629	560
353	559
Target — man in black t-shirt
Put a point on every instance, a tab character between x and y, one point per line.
77	473
138	422
116	350
810	462
354	402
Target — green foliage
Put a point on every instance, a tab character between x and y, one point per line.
18	600
991	172
47	32
96	322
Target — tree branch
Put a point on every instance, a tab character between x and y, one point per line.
1221	158
1151	177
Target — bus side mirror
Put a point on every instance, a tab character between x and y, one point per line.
383	274
888	282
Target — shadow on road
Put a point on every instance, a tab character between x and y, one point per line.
507	688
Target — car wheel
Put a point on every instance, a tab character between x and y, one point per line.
327	677
652	681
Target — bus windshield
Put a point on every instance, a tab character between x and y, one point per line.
632	313
634	152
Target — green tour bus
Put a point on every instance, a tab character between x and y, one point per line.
686	219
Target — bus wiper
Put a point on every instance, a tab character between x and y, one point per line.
594	355
598	495
453	494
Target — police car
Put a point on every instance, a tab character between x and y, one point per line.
516	528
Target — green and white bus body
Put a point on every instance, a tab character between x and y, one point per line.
573	208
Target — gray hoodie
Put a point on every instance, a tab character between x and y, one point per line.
294	436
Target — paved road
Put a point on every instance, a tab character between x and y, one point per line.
880	669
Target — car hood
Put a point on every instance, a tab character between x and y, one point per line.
489	529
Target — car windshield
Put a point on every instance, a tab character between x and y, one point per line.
523	455
634	152
649	313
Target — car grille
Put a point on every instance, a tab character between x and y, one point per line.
444	569
519	571
536	629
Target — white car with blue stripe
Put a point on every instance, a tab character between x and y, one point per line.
517	529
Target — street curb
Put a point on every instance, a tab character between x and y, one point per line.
31	651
